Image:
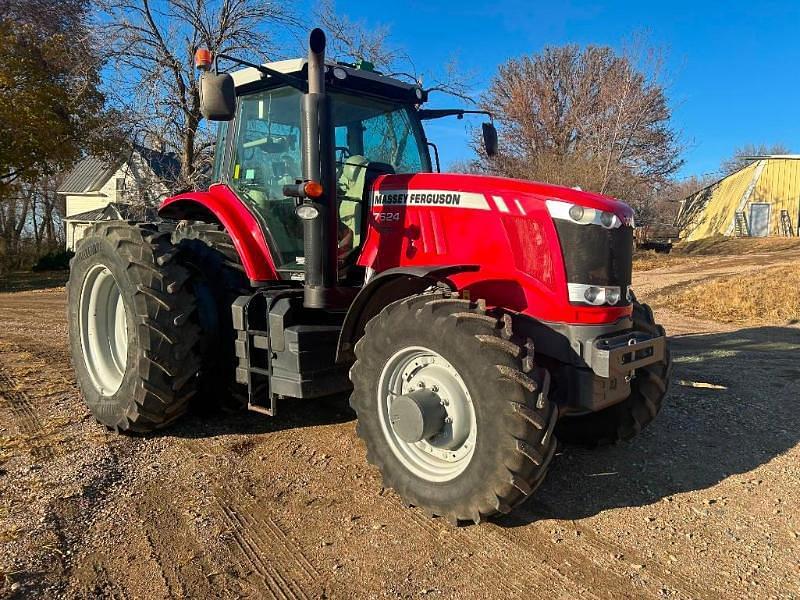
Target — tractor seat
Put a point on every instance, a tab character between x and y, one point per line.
357	171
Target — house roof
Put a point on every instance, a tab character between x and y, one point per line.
92	172
87	176
165	165
116	211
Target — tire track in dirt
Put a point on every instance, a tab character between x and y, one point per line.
519	572
284	572
23	413
485	545
259	543
47	355
599	548
589	562
531	559
488	570
170	581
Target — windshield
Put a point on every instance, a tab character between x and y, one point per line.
381	132
370	135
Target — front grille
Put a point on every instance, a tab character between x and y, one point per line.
594	255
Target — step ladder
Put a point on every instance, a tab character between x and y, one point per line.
740	225
254	346
786	224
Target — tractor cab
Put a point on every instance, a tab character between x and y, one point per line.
259	152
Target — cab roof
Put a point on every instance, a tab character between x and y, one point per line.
358	80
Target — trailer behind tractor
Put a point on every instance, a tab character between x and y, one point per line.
473	319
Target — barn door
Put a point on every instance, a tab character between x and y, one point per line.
759	219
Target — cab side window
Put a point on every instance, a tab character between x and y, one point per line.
266	156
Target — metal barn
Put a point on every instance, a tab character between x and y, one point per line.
760	200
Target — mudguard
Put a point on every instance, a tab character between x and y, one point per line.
383	289
220	205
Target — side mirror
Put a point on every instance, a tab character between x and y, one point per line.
489	139
217	96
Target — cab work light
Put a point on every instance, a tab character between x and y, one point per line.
203	59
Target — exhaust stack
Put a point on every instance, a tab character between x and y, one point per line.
320	233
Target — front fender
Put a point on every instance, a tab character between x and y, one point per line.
221	205
385	288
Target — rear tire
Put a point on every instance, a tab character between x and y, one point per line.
513	417
218	278
139	372
625	420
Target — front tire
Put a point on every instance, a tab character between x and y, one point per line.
626	419
511	417
131	330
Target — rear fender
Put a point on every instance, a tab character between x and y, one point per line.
221	205
385	288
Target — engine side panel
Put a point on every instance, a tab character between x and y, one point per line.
500	224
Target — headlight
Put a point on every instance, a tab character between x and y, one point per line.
596	295
306	212
583	215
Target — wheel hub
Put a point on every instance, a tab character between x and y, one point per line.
427	414
417	415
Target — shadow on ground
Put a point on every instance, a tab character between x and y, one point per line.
27	281
292	414
701	437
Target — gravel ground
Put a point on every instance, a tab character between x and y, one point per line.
703	504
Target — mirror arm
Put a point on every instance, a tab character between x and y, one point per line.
437	113
294	82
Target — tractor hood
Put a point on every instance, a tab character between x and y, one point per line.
555	253
482	192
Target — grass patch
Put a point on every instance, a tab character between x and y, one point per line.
769	296
647	260
720	245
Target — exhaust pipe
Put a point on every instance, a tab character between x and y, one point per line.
319	164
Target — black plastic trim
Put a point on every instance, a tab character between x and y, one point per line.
383	289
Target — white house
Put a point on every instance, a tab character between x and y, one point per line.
97	189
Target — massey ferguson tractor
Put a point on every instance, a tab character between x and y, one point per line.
473	319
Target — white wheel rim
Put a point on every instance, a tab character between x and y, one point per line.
447	454
104	330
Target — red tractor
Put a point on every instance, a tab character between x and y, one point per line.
474	319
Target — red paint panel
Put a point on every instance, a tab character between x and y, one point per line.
237	220
532	248
513	239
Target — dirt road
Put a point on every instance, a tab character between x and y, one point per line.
704	504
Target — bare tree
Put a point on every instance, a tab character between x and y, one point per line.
151	44
588	117
749	153
359	41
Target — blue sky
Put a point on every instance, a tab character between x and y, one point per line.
732	67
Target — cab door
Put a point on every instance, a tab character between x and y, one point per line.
265	155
